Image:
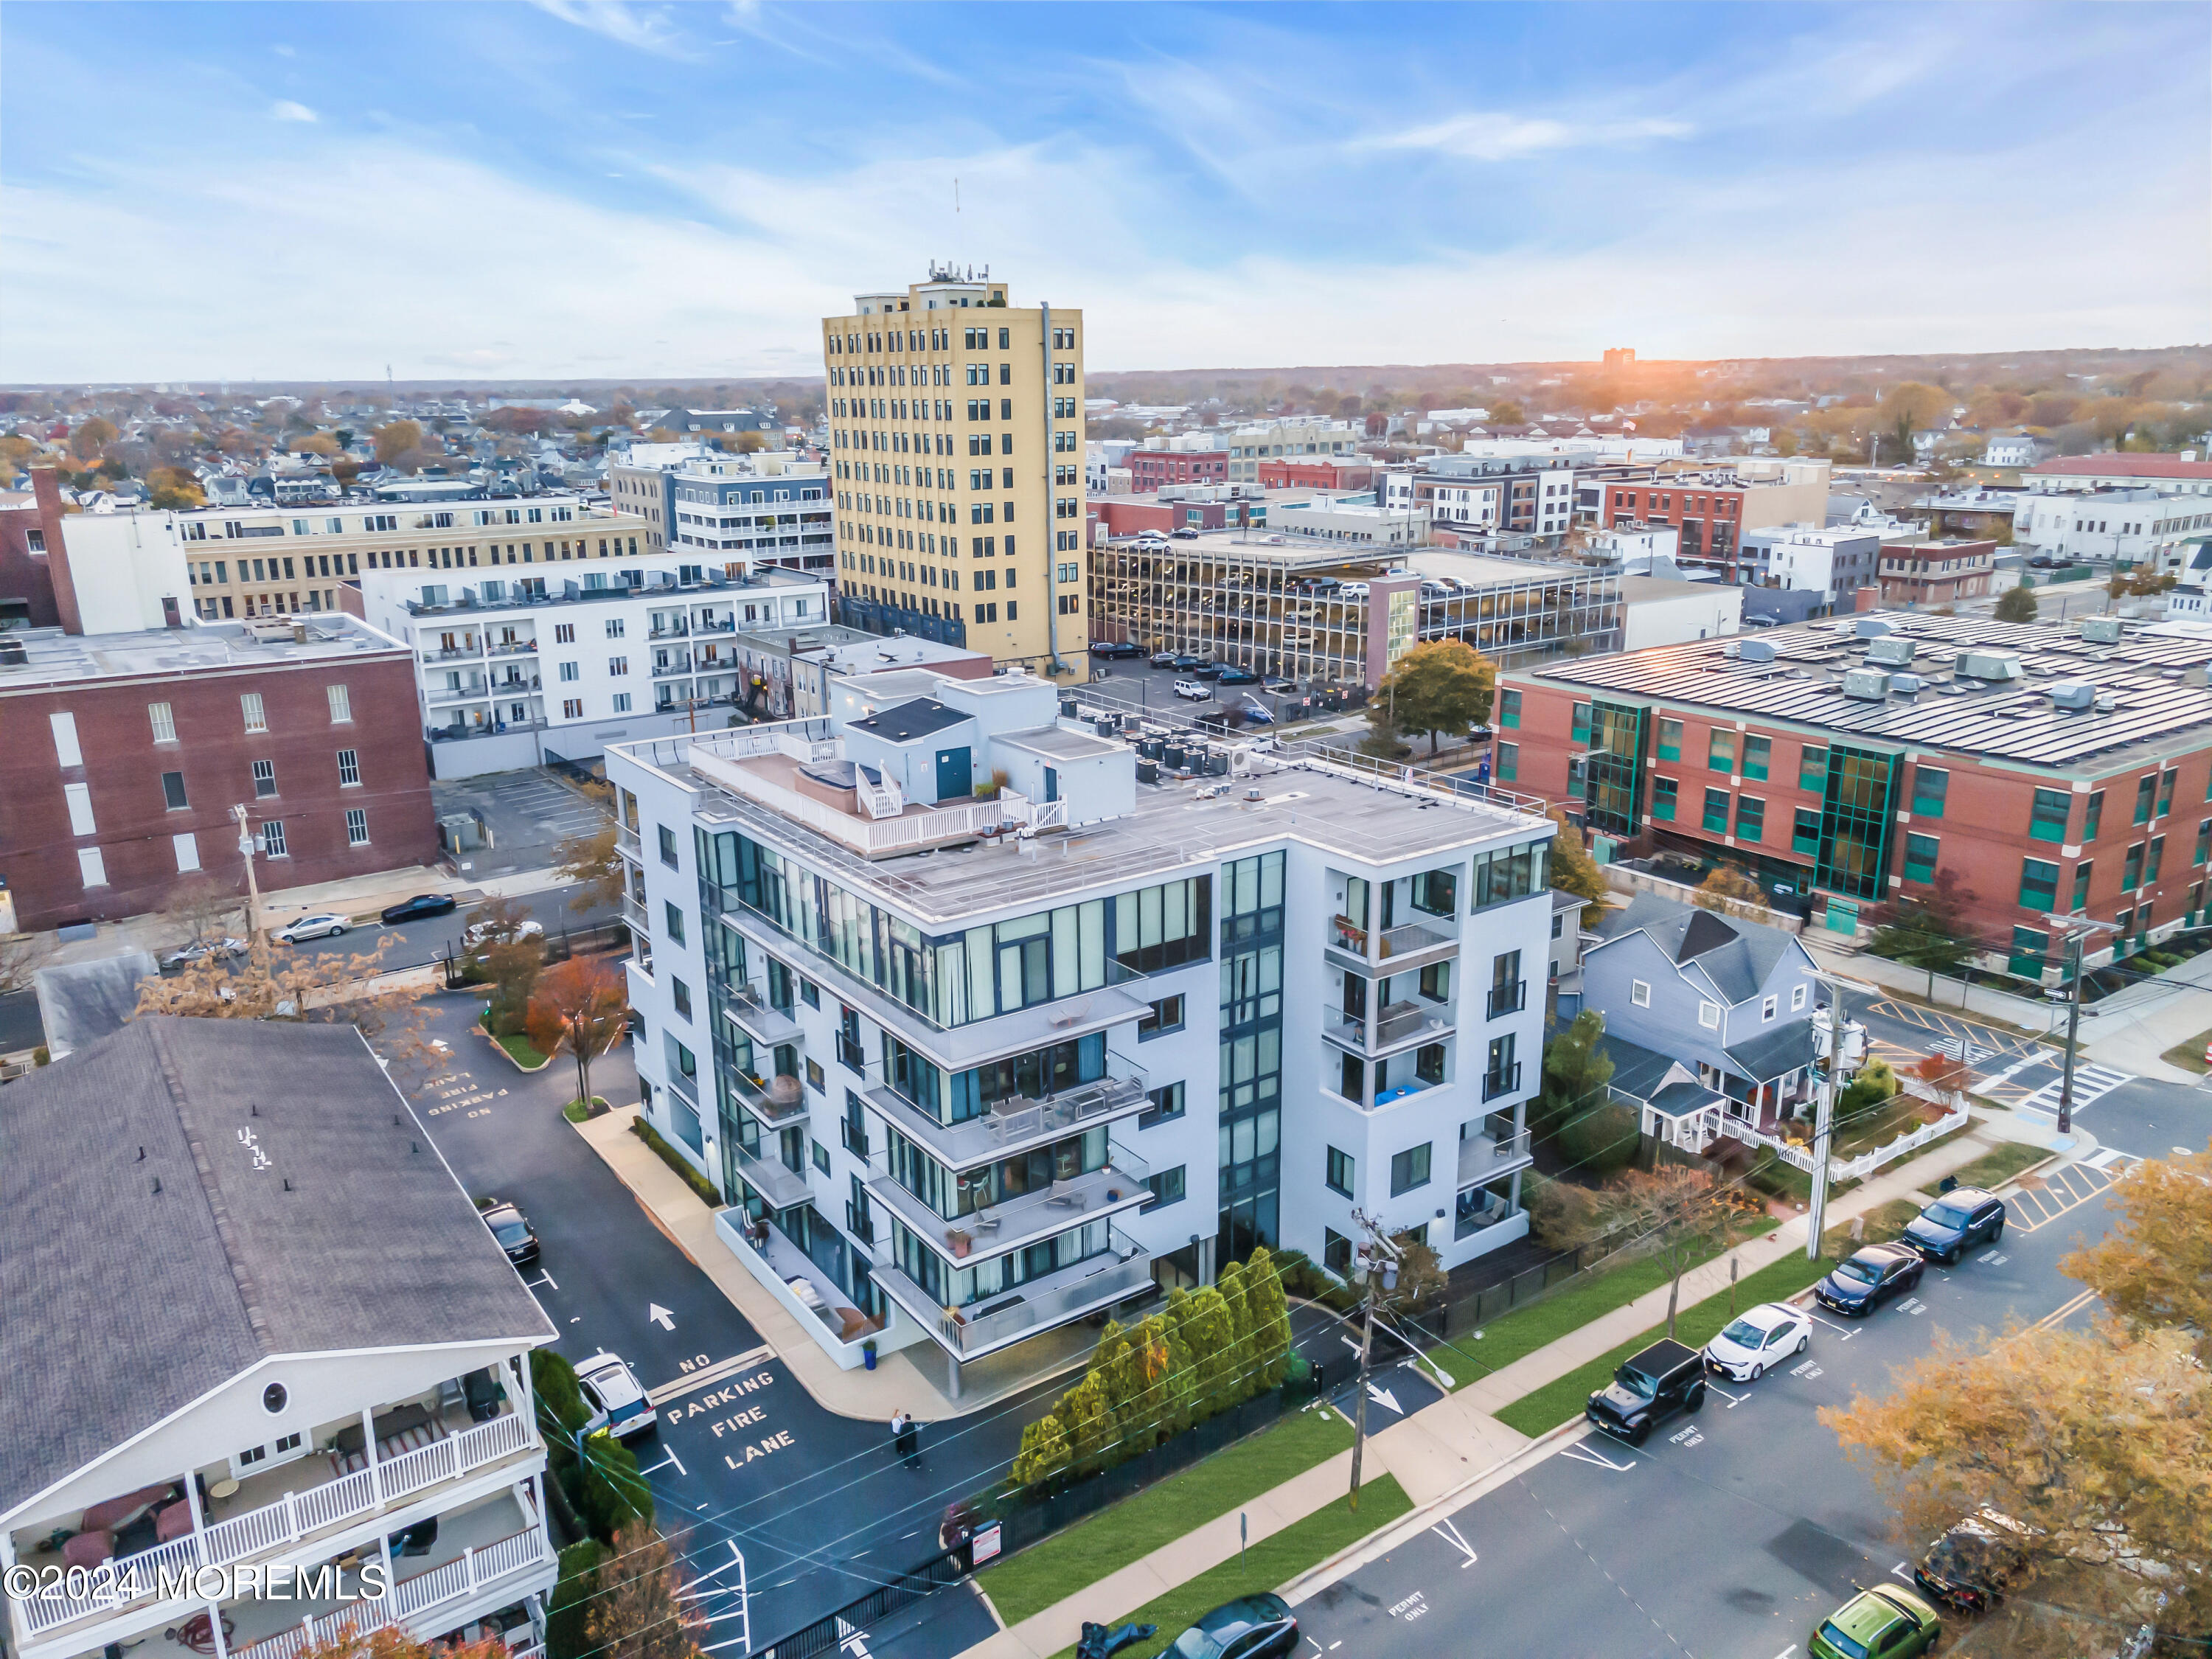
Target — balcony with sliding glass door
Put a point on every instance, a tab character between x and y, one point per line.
1374	1085
1394	927
1008	1106
1390	1013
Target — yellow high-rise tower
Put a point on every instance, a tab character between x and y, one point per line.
956	442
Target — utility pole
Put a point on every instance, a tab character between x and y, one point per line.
252	885
1382	1258
2078	928
1825	1119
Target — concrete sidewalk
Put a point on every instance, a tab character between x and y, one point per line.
1444	1453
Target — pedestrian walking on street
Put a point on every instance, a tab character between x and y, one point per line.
906	1438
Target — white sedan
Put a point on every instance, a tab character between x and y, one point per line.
1761	1339
307	928
492	933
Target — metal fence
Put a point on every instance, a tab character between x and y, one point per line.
827	1633
1034	1513
1479	1307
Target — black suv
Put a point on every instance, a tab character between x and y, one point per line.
1665	1379
1955	1223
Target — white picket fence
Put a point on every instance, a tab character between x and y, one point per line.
1856	1169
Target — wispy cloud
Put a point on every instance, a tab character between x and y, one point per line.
643	29
285	110
1495	136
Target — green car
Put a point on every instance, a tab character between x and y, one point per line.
1886	1622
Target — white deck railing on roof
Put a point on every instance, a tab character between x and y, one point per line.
871	836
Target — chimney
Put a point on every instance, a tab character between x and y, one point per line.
46	485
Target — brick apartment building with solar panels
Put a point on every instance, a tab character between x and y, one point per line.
2058	771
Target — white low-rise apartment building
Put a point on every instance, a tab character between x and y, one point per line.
520	665
267	1371
2146	525
969	1066
771	506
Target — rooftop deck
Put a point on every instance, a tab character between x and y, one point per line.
1176	824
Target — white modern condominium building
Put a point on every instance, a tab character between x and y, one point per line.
513	666
971	1064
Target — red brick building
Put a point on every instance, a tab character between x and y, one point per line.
1132	515
125	753
1937	572
2055	774
30	529
1317	472
1150	468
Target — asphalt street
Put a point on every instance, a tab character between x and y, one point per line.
1731	1533
742	1455
414	943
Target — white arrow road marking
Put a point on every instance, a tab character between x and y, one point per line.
1450	1534
659	1316
1385	1397
1583	1454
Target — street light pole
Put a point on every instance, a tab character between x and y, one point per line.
2076	928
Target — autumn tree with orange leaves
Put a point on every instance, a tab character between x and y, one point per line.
579	1005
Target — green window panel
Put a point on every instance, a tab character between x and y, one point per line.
1750	817
2081	885
1720	752
1811	769
2038	884
1670	740
2130	870
2146	792
1614	777
1508	709
1805	833
2204	842
1716	805
1920	858
1758	752
2047	817
2092	815
1509	761
2028	949
1580	728
1663	793
2166	783
2157	858
1930	784
1855	820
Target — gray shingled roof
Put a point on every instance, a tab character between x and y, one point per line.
1736	954
1772	1054
124	1304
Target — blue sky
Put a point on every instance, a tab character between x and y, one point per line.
590	188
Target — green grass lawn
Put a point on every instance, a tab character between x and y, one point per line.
2000	1164
1063	1564
1515	1335
1271	1561
521	1051
1883	1223
2190	1055
576	1112
1555	1402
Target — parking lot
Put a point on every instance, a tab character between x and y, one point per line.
529	814
1135	680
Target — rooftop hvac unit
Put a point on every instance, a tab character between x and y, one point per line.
1896	651
2078	695
1867	684
2101	631
1755	650
1990	665
1871	627
2106	702
1905	685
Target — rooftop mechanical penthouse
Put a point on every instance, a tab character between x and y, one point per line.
984	1018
